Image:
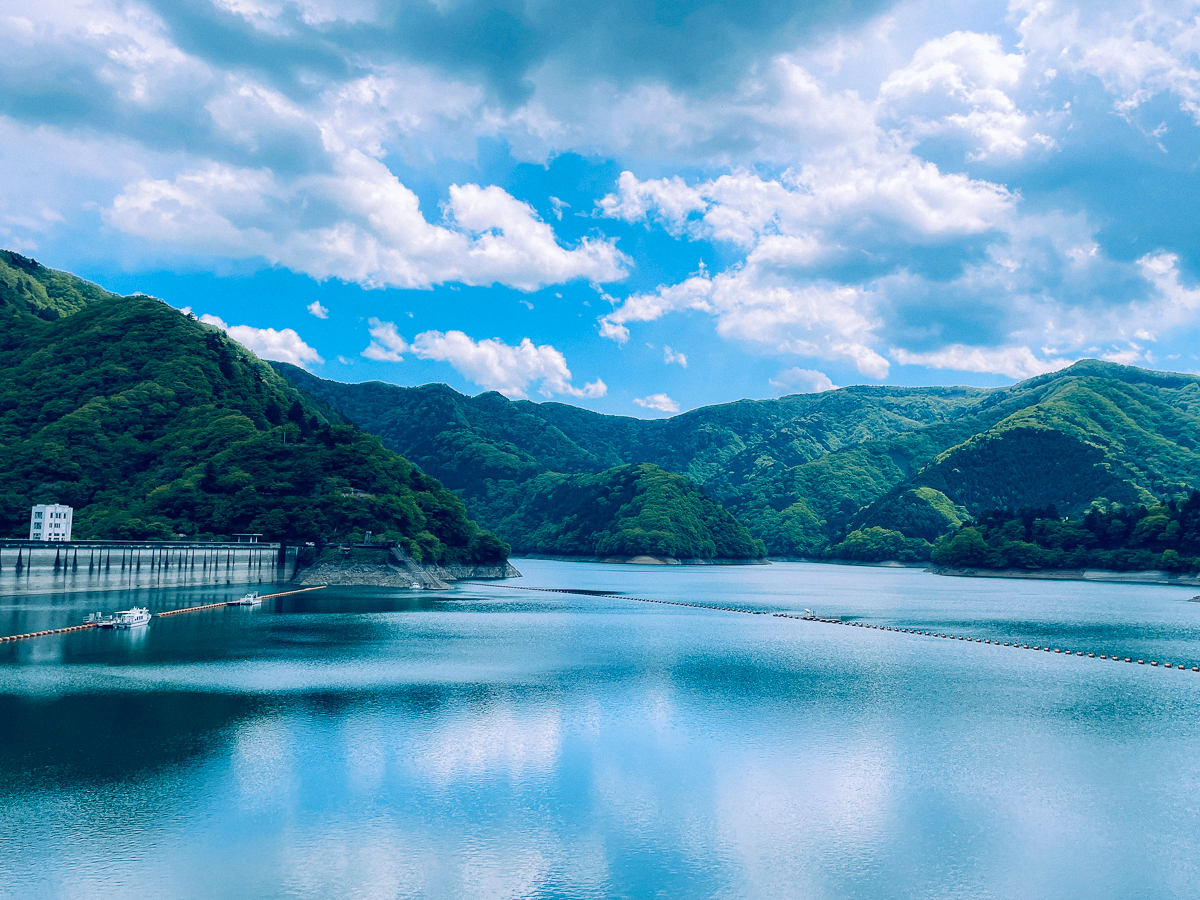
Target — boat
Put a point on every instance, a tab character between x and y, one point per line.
99	619
251	599
130	618
416	585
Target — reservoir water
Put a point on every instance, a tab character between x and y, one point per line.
485	742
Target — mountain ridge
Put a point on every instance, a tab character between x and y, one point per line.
807	472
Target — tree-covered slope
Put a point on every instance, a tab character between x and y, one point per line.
624	511
152	424
1158	536
850	472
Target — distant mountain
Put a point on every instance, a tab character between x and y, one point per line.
859	472
625	511
152	424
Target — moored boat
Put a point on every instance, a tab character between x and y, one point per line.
131	618
251	599
99	619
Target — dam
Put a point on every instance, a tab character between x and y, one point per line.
41	567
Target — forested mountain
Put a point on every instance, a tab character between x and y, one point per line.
624	511
152	424
860	472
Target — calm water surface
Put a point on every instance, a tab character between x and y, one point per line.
487	742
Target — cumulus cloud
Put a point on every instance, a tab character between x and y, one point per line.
490	363
284	345
660	402
1015	362
316	309
801	381
757	305
672	357
386	343
958	83
374	233
855	187
1137	50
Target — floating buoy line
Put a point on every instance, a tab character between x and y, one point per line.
190	609
837	621
161	615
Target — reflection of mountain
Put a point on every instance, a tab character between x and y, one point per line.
803	472
110	737
152	424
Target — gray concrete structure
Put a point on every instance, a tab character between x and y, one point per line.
42	567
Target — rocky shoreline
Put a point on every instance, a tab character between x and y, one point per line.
400	571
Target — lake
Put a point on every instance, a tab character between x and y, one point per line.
487	742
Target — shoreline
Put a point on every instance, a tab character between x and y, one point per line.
1106	576
879	564
1139	576
645	560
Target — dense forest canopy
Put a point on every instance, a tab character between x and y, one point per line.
623	511
1162	535
153	425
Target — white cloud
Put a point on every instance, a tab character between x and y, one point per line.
877	191
284	345
756	304
670	356
497	366
1014	362
315	308
1176	303
1138	50
374	233
959	83
818	190
801	381
660	402
386	343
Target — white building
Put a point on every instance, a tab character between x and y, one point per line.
50	522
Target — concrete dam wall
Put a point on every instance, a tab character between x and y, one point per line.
37	567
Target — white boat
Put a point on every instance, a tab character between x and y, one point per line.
99	619
251	599
130	618
416	585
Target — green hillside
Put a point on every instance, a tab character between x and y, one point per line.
152	424
860	472
624	511
1159	536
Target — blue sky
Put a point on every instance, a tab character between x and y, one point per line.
634	207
